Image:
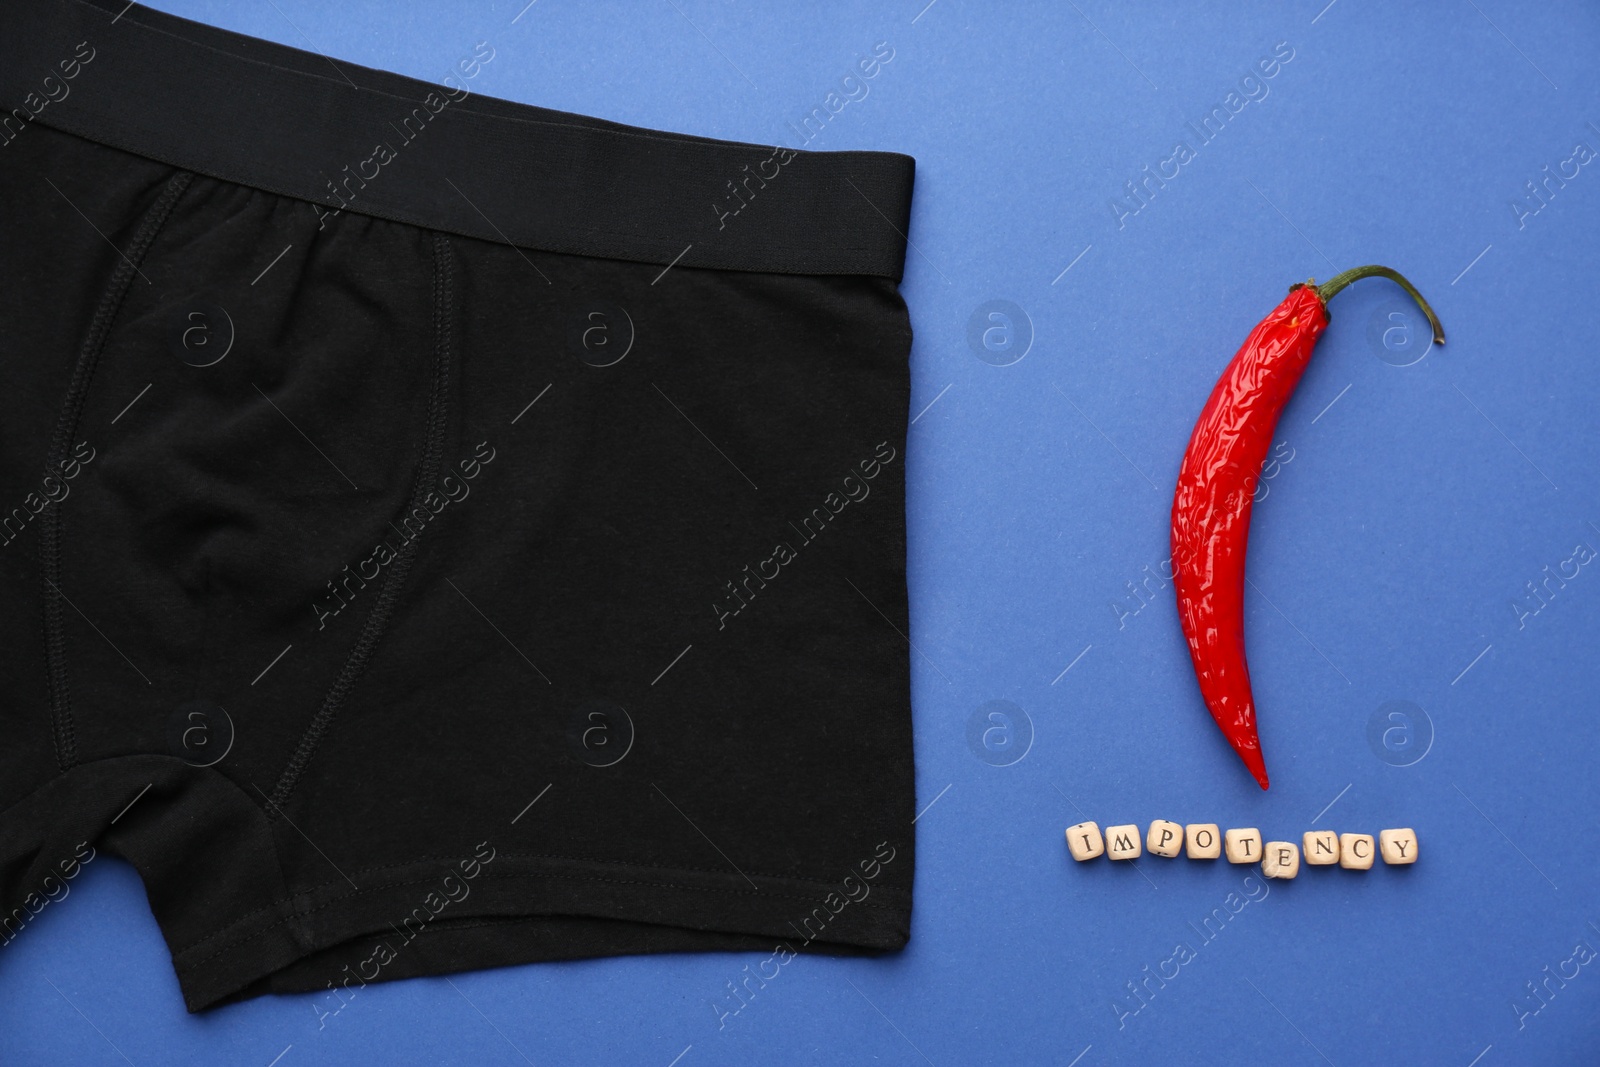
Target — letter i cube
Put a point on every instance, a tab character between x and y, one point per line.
1085	842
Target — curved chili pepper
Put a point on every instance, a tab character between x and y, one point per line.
1216	492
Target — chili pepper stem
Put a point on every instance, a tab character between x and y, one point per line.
1333	285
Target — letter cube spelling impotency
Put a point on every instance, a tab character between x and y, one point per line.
1085	842
1204	840
1165	838
1243	845
1122	842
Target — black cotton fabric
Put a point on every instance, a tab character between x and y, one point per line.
490	554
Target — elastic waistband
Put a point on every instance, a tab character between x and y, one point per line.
347	138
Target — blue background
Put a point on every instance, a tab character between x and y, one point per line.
1388	550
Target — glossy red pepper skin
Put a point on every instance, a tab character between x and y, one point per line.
1211	508
1216	492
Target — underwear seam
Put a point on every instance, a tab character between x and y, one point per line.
63	730
571	859
503	920
377	622
299	914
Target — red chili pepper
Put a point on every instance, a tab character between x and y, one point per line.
1216	491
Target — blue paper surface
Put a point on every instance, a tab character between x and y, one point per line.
1405	672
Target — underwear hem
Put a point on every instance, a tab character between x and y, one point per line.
300	925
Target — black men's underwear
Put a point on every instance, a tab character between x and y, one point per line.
436	532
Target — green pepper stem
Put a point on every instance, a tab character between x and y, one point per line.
1328	288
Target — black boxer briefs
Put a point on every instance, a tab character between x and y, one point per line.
436	532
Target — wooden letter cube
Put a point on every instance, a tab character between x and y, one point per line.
1321	847
1085	841
1243	845
1398	846
1122	842
1356	852
1205	840
1165	839
1280	859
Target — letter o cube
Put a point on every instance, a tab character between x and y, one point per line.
1204	840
